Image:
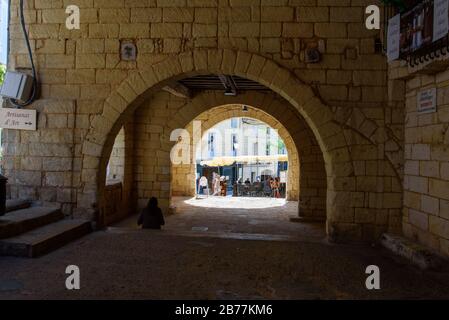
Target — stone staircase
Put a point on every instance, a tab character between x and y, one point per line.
27	231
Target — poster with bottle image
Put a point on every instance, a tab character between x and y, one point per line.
422	25
406	33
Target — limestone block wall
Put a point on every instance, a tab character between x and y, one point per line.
88	93
152	148
43	165
426	179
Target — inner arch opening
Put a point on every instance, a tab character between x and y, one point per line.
248	156
245	147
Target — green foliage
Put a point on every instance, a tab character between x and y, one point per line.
2	72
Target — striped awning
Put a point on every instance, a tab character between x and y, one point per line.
227	161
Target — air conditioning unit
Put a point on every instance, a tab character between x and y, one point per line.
17	86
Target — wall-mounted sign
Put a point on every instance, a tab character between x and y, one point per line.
393	37
440	19
18	119
128	51
425	23
427	101
312	55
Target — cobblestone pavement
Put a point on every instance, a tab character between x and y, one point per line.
236	258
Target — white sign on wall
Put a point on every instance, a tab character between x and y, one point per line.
394	36
18	119
441	19
427	101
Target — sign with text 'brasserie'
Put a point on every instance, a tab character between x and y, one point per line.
18	119
427	101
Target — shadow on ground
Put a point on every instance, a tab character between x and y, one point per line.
227	263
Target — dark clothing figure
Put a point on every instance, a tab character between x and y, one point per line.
151	217
267	187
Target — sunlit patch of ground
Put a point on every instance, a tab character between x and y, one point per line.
236	202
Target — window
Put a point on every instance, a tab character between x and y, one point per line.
235	145
211	145
234	123
283	166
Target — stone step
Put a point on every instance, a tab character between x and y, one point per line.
44	239
20	221
17	204
414	252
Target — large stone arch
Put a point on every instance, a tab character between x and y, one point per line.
309	177
156	119
342	196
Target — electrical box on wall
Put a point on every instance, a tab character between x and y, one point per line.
17	86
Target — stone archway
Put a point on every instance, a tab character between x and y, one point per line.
308	173
164	114
183	176
343	197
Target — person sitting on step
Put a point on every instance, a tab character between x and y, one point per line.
151	217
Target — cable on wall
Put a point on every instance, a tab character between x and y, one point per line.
30	55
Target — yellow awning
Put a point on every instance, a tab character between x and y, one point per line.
227	161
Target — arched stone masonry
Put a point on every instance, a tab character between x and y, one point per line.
270	108
161	115
183	176
357	205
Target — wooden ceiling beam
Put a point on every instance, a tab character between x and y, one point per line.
179	90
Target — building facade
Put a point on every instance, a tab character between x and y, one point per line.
243	149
